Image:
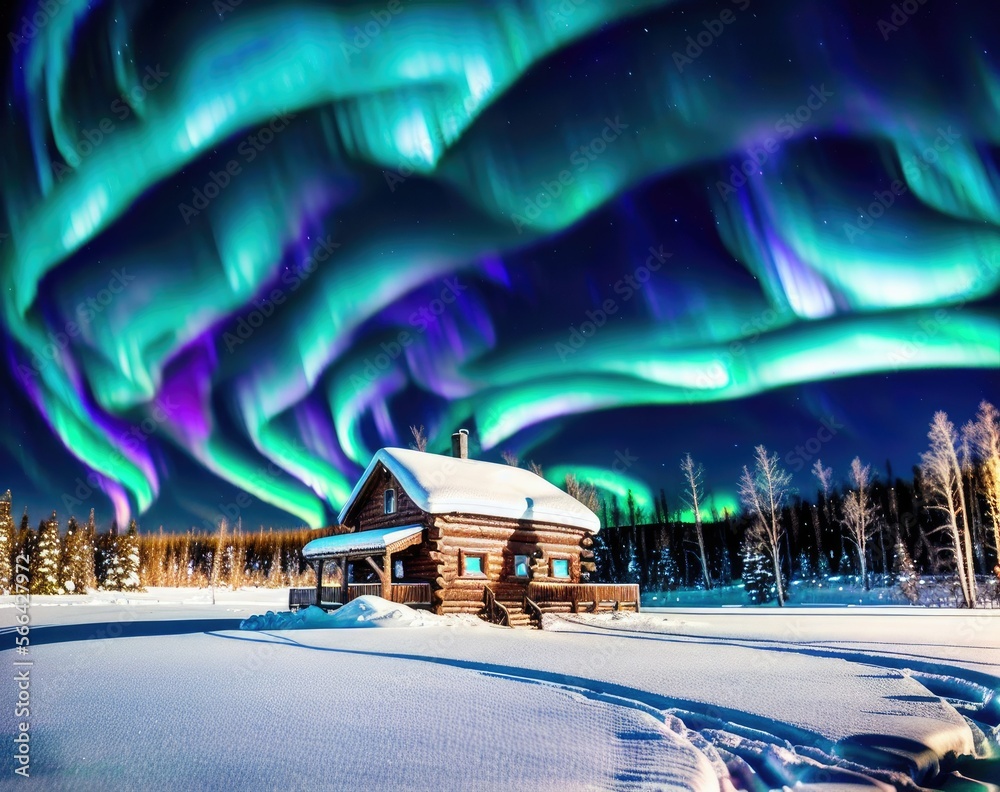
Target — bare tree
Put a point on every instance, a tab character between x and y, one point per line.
824	475
859	514
219	552
764	493
510	458
984	434
583	492
535	468
419	438
943	477
694	494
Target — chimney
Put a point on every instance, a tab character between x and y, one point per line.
460	444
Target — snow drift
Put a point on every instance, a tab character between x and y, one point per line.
366	611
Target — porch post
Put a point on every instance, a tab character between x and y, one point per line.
386	577
344	593
320	563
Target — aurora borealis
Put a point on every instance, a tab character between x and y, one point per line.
247	244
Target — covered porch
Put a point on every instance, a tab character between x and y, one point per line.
375	549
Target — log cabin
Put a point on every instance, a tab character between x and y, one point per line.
458	535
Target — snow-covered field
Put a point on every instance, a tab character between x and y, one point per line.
162	690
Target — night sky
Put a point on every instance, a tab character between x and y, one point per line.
244	245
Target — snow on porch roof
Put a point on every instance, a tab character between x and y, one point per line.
360	542
441	484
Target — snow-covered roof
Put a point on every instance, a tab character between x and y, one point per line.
375	541
441	484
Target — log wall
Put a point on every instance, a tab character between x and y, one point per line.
451	536
438	559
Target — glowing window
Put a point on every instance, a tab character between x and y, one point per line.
520	566
473	565
560	567
390	501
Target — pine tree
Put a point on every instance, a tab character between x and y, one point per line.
78	559
632	572
238	558
906	574
6	545
275	577
45	560
66	562
844	565
87	579
130	559
806	571
112	570
758	574
24	542
219	555
602	558
667	571
726	569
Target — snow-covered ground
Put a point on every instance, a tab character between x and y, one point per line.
162	690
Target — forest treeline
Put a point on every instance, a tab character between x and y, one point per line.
883	529
81	558
943	520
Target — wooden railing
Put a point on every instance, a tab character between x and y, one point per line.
403	593
494	611
355	590
534	612
411	593
592	596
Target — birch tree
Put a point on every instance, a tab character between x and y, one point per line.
694	495
419	438
218	555
859	514
763	493
984	434
824	475
943	479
